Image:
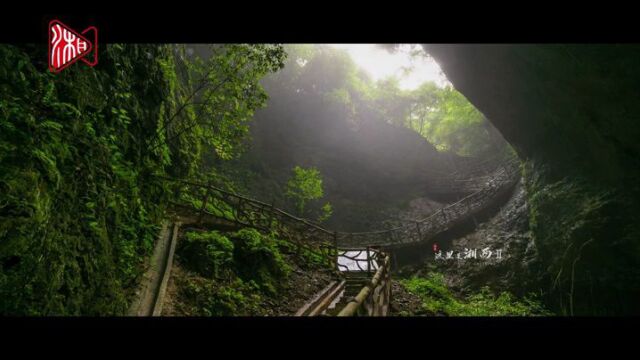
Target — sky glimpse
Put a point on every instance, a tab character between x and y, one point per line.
411	71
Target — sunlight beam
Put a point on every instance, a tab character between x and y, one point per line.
411	71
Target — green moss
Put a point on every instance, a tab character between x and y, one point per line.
77	207
586	235
79	153
258	258
212	298
233	273
207	253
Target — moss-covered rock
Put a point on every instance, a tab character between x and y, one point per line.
587	237
77	205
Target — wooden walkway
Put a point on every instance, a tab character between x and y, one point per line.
363	286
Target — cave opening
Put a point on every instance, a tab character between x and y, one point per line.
514	174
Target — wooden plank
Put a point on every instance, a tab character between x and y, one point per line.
319	299
328	300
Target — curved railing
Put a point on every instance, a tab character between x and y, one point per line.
443	219
254	213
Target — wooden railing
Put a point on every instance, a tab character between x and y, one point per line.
320	303
364	290
244	211
374	297
443	219
469	176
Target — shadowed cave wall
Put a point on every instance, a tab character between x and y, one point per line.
571	113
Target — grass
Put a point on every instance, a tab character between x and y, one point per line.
437	298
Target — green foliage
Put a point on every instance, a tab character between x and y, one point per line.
222	92
580	248
234	271
313	259
310	258
211	298
77	206
442	115
207	252
79	202
258	258
437	298
325	212
485	303
303	186
451	122
246	254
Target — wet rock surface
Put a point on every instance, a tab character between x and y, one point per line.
508	233
421	207
570	112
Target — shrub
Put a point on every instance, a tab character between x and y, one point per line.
207	253
257	257
211	298
437	298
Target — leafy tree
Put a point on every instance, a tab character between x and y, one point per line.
442	115
325	212
218	92
306	185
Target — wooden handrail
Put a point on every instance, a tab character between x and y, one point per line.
503	177
354	305
322	300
